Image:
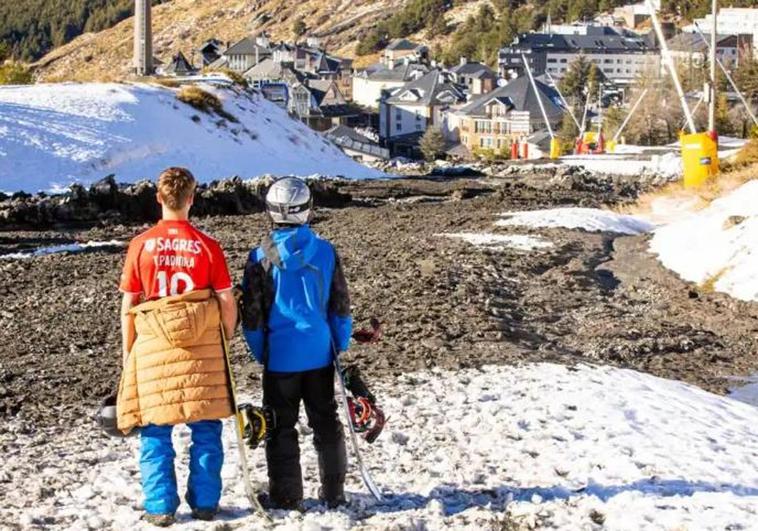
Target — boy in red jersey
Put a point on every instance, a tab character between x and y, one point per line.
174	258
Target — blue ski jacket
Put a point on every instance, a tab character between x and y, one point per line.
295	302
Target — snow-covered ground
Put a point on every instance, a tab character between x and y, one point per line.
54	134
590	219
539	445
520	242
716	245
665	164
64	248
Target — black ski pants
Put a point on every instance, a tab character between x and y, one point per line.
283	392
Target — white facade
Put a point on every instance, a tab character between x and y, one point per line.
398	119
367	92
619	68
731	21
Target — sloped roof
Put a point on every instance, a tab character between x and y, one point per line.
179	64
431	89
521	96
474	69
692	42
349	138
580	43
247	46
402	44
266	69
399	73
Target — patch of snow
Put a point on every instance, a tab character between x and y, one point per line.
52	135
718	243
589	219
519	242
542	444
666	164
57	249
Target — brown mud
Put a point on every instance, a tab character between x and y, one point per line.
591	297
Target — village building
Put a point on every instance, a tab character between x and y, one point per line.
690	49
369	85
357	145
508	114
245	54
179	66
730	21
319	104
210	52
620	56
405	113
478	78
404	51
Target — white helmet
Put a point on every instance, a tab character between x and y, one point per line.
289	201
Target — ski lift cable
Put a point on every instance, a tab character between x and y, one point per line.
539	98
729	78
629	115
669	62
563	100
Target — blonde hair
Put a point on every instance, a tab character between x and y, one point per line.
176	186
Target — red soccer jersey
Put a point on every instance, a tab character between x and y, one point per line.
173	258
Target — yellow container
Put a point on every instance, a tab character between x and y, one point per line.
699	157
555	148
610	147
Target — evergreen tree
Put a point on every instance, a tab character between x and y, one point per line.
298	27
432	144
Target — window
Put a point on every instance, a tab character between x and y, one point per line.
398	126
552	60
418	127
606	61
564	60
418	117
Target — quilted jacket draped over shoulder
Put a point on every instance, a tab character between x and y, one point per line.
176	371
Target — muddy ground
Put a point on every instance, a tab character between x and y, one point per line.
591	297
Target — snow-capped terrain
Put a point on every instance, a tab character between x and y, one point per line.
717	245
537	445
64	248
520	242
54	134
590	219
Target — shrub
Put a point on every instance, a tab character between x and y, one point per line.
15	74
237	78
167	82
204	101
748	154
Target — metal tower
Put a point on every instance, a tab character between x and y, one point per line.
143	37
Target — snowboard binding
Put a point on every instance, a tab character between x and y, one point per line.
366	417
257	423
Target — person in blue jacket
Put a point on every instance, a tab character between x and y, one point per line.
296	318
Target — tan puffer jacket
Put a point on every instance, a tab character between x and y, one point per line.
176	371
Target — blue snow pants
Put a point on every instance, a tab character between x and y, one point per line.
157	467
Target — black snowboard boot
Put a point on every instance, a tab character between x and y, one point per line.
332	491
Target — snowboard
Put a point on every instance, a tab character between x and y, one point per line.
250	490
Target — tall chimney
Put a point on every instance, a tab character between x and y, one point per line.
143	38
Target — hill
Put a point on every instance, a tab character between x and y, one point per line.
33	27
54	134
185	24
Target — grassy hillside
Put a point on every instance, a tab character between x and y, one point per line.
33	27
